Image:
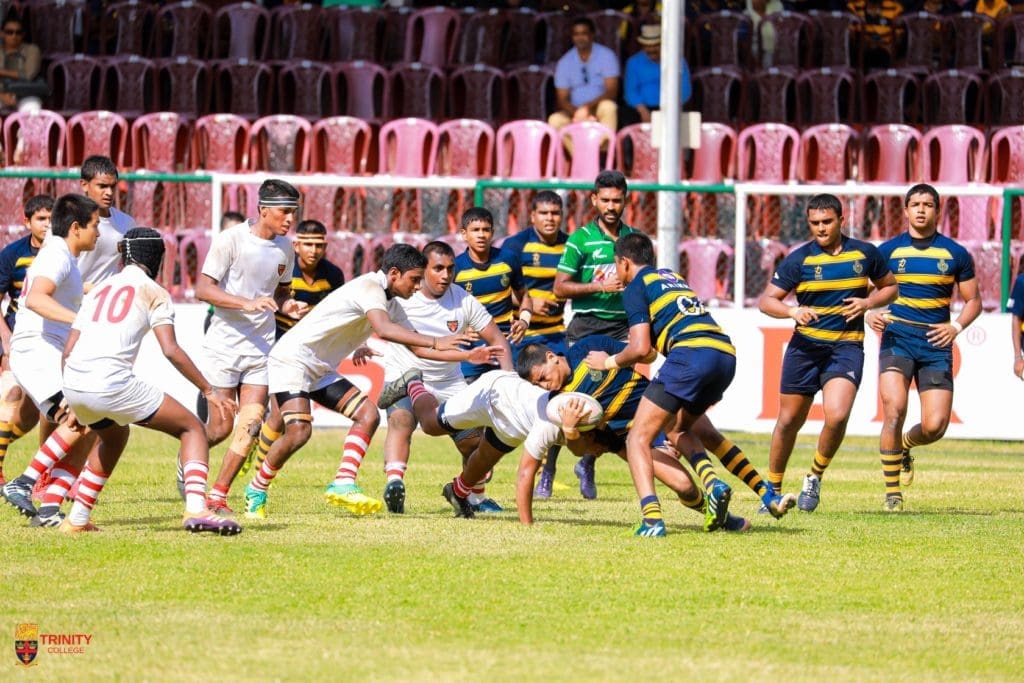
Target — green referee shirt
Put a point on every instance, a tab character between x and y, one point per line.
589	257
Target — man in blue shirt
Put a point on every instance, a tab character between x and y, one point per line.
586	81
643	79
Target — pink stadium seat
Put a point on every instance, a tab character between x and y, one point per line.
396	24
768	152
891	155
719	94
1005	92
826	95
465	148
417	91
482	37
988	262
534	87
193	248
477	92
406	147
713	162
243	87
644	160
96	132
160	142
890	96
525	150
220	142
951	97
240	31
828	154
724	37
184	86
430	36
1006	155
31	140
521	43
773	95
169	265
305	89
794	39
339	145
965	38
297	32
920	47
380	243
349	251
363	90
279	144
707	266
955	155
557	37
1009	45
76	81
53	25
356	33
183	29
129	85
593	150
133	22
836	37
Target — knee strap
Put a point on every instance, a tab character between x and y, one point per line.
290	417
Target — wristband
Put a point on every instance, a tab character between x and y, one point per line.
957	326
793	310
526	317
610	364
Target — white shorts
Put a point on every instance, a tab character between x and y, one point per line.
38	371
228	372
471	407
291	378
132	403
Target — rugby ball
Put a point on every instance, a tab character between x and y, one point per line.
558	401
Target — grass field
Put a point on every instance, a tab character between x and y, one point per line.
848	593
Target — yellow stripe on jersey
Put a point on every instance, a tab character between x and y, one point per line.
300	285
651	277
500	268
915	279
539	272
826	259
699	327
829	335
503	318
24	261
706	343
669	299
544	294
829	285
826	310
922	303
914	252
541	248
17	284
493	298
620	400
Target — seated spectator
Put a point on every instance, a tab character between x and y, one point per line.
21	61
879	35
586	81
643	78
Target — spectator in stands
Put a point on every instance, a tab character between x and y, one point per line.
878	32
640	12
756	11
643	78
21	60
586	80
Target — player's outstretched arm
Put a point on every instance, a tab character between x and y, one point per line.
638	350
208	292
528	466
40	300
392	331
183	363
493	336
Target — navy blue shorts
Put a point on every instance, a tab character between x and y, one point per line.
906	349
808	365
693	378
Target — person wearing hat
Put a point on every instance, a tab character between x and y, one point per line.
643	78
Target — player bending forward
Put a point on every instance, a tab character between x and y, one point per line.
303	366
106	396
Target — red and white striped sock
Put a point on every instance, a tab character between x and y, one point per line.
416	390
195	474
49	454
218	493
395	470
61	480
88	491
264	475
462	489
356	444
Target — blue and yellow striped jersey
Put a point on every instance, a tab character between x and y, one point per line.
675	313
926	271
1016	301
327	278
492	283
14	262
822	281
538	263
618	391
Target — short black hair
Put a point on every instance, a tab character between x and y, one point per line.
70	209
438	247
922	188
273	188
530	356
609	178
96	165
545	197
405	257
637	247
311	227
231	218
477	213
824	202
585	21
41	202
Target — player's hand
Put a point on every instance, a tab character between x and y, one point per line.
1018	368
854	308
877	320
803	315
362	355
595	360
263	303
611	282
485	354
542	306
453	342
941	335
517	330
226	407
295	309
474	336
572	413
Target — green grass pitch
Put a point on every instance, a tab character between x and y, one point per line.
848	593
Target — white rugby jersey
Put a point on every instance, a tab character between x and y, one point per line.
456	310
55	263
115	316
105	260
518	411
337	326
247	266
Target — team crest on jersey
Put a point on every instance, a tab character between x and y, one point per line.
453	325
280	269
596	375
469	287
536	258
858	268
901	267
504	280
817	272
943	266
26	643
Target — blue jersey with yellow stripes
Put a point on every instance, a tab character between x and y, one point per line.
326	278
538	262
1015	303
822	281
926	271
674	311
618	391
14	262
492	283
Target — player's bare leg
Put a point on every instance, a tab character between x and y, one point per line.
252	400
648	422
837	399
793	409
936	409
82	444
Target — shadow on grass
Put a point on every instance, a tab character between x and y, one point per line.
936	513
